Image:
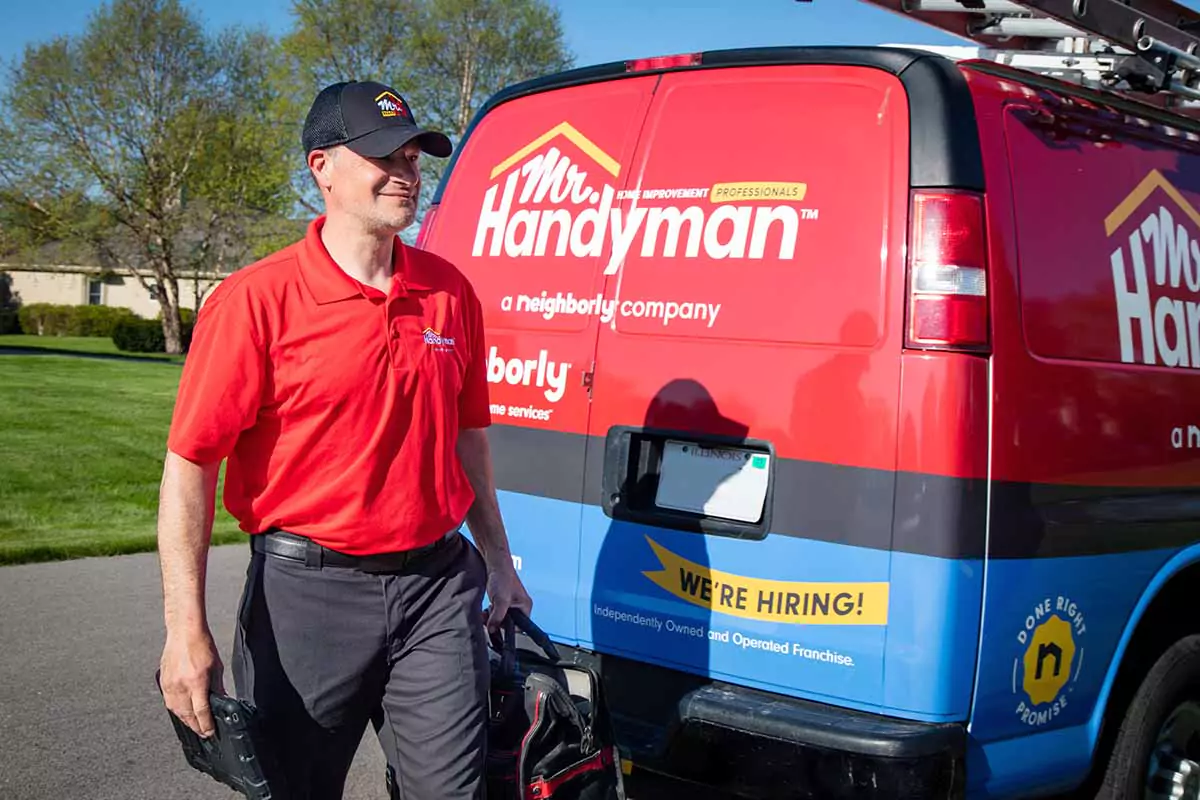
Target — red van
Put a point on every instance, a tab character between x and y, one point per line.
846	414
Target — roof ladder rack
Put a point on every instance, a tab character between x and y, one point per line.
1144	49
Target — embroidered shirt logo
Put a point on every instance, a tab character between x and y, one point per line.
438	342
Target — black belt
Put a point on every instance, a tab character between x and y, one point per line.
300	548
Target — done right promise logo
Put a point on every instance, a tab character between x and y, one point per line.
1050	659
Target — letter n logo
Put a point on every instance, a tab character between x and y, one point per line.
1048	660
1046	651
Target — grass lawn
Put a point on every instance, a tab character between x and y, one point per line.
81	448
91	345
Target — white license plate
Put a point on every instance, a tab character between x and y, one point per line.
725	482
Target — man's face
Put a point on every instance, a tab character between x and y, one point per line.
380	192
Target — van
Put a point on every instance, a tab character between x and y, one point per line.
845	414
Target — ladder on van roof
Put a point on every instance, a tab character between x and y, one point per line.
1143	49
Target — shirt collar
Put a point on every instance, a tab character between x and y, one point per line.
328	283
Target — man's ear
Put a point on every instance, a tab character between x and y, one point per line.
320	162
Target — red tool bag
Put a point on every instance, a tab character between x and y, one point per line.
549	733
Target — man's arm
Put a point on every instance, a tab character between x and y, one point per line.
487	528
190	662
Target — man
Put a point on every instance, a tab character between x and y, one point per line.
344	378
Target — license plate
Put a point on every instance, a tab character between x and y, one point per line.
725	482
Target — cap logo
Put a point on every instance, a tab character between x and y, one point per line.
391	106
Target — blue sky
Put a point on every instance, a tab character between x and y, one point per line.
596	30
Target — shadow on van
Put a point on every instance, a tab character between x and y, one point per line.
634	613
831	408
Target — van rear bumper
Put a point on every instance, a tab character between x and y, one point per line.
758	744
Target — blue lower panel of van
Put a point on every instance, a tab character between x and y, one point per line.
903	642
1045	658
1051	629
544	539
858	628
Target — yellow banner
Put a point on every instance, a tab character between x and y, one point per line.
808	603
757	190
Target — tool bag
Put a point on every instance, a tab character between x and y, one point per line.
549	733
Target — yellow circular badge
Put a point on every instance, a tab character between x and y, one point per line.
1048	660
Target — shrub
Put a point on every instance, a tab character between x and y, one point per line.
10	321
139	335
46	319
99	320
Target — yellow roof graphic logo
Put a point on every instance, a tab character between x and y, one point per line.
567	131
390	105
1155	180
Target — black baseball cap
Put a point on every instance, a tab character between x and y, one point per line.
371	119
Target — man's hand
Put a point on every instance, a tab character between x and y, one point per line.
505	591
190	667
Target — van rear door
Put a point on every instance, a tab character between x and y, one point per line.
519	216
740	490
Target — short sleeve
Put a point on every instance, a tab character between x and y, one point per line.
221	388
474	406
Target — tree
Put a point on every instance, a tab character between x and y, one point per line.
149	140
466	50
446	56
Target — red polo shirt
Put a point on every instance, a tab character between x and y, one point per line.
337	406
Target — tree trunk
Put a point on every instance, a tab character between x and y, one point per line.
172	324
466	90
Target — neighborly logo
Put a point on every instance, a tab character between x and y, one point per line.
391	106
437	341
1050	660
541	372
795	602
542	203
1167	317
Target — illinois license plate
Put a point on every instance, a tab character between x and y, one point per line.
723	482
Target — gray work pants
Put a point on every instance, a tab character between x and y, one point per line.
323	650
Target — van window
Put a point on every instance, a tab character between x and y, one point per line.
763	205
1109	246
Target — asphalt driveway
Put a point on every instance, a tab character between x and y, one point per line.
80	716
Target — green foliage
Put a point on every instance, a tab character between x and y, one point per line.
464	51
10	322
445	56
138	335
145	139
46	319
333	40
150	144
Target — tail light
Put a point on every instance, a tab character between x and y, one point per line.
947	272
426	226
663	62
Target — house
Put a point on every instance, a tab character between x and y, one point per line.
70	284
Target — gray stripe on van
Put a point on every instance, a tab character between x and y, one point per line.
934	515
